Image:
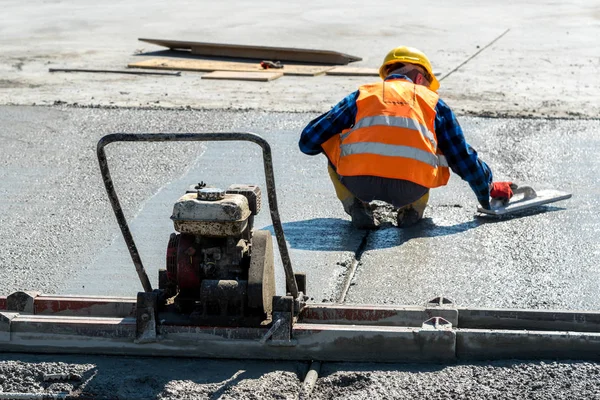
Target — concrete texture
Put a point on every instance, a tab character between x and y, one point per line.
59	233
544	260
490	380
222	164
507	263
166	378
546	65
146	378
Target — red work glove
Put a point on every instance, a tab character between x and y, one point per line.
501	190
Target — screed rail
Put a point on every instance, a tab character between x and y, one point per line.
437	331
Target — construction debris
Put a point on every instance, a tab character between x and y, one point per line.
218	65
110	71
257	52
270	64
243	76
62	377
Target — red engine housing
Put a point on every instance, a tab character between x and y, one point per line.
181	259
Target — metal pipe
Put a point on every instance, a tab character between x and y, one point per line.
310	380
474	55
352	270
108	71
121	220
195	137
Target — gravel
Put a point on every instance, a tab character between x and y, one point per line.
144	378
23	377
486	380
170	379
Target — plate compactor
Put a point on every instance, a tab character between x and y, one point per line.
219	271
216	298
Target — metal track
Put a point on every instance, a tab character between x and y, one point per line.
437	331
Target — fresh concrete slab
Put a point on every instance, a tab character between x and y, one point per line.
321	239
353	71
57	229
541	260
51	177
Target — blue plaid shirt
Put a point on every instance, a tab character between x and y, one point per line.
461	157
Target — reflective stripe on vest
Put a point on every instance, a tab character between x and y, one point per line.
390	150
397	122
393	136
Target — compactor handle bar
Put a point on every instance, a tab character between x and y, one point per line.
291	284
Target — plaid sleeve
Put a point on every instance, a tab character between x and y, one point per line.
462	158
322	128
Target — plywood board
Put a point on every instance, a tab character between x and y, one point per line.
243	76
257	52
521	203
216	65
353	71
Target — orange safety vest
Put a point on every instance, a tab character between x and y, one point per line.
393	136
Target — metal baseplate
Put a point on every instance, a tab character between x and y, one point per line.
437	331
525	198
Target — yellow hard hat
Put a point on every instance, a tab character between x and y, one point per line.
410	55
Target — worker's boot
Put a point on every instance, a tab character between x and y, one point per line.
362	216
412	213
408	217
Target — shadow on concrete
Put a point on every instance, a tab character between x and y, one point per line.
336	234
321	234
427	228
525	213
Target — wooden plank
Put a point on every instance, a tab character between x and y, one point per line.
243	76
217	65
257	52
353	71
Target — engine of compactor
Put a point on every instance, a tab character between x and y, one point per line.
218	270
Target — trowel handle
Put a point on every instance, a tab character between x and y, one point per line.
527	191
291	283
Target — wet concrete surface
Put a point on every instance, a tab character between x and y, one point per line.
221	164
542	259
59	233
50	176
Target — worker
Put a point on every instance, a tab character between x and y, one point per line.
395	140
